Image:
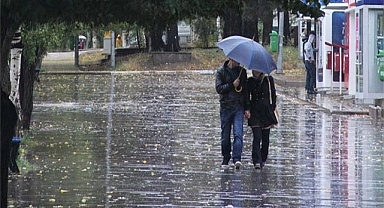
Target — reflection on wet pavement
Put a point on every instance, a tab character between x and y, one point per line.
152	139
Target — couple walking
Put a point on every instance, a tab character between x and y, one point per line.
253	98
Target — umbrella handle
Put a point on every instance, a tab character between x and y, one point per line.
241	88
241	70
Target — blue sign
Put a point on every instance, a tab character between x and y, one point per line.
338	22
330	2
369	2
337	1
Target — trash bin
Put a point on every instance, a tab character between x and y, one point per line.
380	64
274	40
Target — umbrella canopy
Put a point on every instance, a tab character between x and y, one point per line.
82	37
249	53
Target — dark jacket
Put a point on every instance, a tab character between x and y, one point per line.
261	109
229	98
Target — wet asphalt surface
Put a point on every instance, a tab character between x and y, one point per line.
152	139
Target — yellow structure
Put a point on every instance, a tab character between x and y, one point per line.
107	34
119	41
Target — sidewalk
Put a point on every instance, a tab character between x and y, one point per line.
292	85
330	103
114	140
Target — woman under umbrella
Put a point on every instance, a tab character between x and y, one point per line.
262	94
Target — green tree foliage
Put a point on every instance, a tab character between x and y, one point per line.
42	37
312	8
153	15
205	28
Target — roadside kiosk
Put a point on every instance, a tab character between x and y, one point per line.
332	56
366	29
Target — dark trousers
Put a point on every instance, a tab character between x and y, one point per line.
260	153
310	80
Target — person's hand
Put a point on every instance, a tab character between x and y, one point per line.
247	114
236	82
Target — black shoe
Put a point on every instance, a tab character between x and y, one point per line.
258	166
224	164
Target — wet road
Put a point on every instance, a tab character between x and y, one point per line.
152	139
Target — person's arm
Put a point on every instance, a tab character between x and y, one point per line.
222	87
308	51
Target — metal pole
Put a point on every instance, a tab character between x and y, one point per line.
280	53
113	49
340	72
76	50
332	68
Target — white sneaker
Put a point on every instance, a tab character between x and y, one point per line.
225	166
238	164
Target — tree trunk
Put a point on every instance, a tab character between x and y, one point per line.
266	12
26	87
8	123
219	29
172	39
287	29
138	38
232	22
155	41
15	68
203	30
6	38
94	39
8	110
124	38
250	19
28	74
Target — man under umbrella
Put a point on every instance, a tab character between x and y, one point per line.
231	85
232	89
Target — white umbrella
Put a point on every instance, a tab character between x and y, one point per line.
82	37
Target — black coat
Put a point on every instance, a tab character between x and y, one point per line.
261	107
229	98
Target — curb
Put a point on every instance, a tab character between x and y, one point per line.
281	82
285	83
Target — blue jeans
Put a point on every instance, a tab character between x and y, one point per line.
229	118
311	76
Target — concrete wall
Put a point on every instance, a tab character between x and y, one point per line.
170	57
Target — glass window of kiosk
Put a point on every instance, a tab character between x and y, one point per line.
375	83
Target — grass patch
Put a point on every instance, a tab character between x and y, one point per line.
202	59
91	57
22	162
